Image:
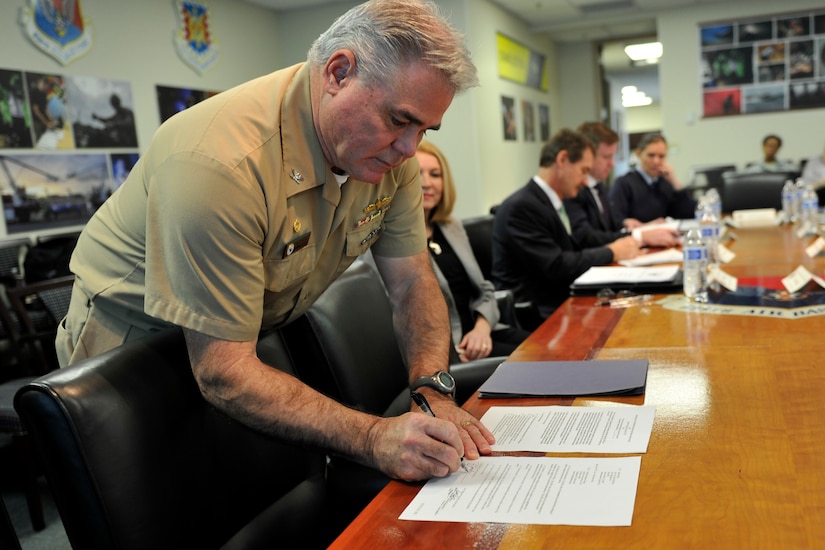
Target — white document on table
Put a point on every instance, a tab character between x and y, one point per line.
534	490
610	274
667	256
560	429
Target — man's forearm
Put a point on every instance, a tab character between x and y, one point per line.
420	318
422	328
275	403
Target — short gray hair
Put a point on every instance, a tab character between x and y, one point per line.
387	35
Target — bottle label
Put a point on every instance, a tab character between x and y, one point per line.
710	232
695	253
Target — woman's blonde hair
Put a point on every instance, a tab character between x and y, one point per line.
444	209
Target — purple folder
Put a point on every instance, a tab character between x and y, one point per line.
567	378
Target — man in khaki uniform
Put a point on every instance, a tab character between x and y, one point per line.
246	206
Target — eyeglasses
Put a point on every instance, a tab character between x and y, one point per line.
623	298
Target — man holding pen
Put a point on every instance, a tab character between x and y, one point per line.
245	208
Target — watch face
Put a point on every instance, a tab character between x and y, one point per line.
446	379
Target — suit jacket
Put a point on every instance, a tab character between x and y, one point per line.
588	224
532	253
485	304
632	197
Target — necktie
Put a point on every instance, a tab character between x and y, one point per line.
564	219
605	205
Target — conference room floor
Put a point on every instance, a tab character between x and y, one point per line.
734	459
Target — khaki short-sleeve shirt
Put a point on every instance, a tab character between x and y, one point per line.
233	221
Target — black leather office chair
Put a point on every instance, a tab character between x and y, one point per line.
40	306
743	190
136	458
710	177
480	233
349	330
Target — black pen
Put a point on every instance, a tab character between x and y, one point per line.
422	403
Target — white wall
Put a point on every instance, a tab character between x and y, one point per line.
723	140
133	41
505	165
580	83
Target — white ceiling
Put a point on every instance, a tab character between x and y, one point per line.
564	20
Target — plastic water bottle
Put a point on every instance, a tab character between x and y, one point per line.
709	227
810	210
714	201
799	188
788	191
701	205
695	267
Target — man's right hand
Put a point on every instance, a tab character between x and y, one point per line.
661	237
415	446
624	248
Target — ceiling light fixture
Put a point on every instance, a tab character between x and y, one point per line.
633	97
649	52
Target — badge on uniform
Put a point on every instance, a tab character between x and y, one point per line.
296	245
374	209
377	205
371	235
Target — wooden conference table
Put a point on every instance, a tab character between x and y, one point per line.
737	454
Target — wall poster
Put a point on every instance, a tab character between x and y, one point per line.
66	143
769	63
518	63
508	118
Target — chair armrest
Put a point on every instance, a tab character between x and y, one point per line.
527	315
507	308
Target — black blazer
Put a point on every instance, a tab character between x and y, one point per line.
589	226
532	253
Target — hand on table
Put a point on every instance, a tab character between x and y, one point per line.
625	248
661	237
416	446
476	344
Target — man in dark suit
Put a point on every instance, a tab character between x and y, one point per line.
593	221
534	253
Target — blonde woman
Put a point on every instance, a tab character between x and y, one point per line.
471	299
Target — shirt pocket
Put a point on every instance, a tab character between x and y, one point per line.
282	273
361	238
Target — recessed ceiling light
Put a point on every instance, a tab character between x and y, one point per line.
644	52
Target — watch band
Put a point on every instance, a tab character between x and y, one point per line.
442	381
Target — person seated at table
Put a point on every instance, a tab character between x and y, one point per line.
651	192
471	299
770	163
814	172
534	253
590	213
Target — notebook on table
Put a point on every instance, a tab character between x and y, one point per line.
647	279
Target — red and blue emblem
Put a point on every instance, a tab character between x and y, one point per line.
57	27
194	40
